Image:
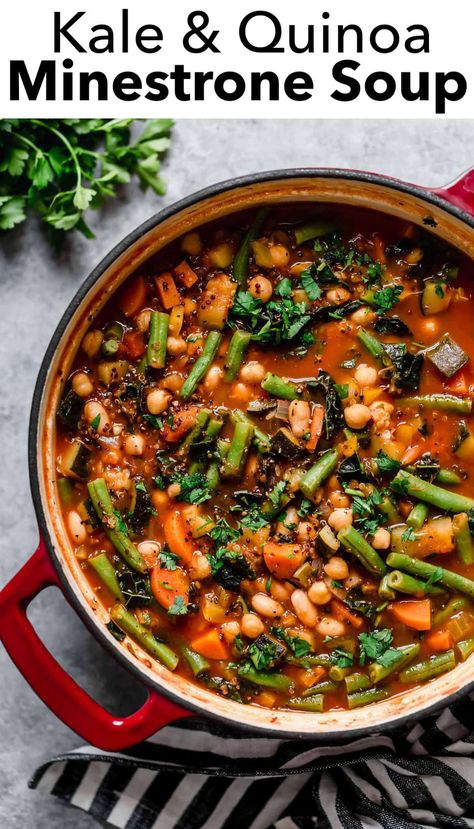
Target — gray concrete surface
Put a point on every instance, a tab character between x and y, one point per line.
34	290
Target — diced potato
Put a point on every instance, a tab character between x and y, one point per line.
404	433
215	302
112	372
436	297
262	255
176	321
221	256
436	536
212	612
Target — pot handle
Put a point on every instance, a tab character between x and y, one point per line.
53	684
460	192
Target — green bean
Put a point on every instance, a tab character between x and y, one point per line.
356	682
372	344
365	697
277	682
310	661
65	491
429	668
202	364
463	538
317	474
388	508
385	591
315	703
446	477
127	622
337	674
214	427
441	402
114	525
194	435
452	607
465	648
356	544
235	353
407	484
238	450
261	440
426	571
402	583
213	473
418	516
278	387
282	499
110	347
106	572
378	672
312	230
325	687
240	267
156	351
198	664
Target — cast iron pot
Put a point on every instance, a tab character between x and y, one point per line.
449	214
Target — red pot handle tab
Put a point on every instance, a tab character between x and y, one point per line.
460	192
53	684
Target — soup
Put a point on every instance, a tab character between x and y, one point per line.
264	457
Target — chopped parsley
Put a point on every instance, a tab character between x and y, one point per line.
386	463
178	608
300	647
276	495
377	646
168	560
95	423
409	534
387	297
276	321
309	283
368	518
154	421
254	520
194	488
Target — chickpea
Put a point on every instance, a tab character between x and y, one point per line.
191	243
380	412
92	342
173	490
81	384
266	606
261	288
92	410
251	626
157	401
240	393
319	593
336	296
112	456
336	568
340	518
252	372
366	375
230	630
117	479
213	378
381	539
200	567
134	445
306	531
176	346
339	499
172	382
280	255
299	415
159	499
357	416
76	528
330	627
363	316
304	609
142	320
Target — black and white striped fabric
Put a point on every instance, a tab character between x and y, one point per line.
197	775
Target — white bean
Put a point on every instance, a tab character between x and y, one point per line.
304	608
319	593
76	528
251	626
299	415
266	606
95	412
330	627
149	548
134	445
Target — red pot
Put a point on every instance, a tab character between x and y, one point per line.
449	212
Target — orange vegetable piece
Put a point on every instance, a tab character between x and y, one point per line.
316	428
178	538
183	421
167	585
133	345
185	274
167	290
413	614
133	297
282	559
343	614
439	640
458	384
211	645
412	454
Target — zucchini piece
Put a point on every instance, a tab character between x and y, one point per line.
436	536
447	356
261	254
328	541
74	461
436	297
112	371
70	410
464	444
284	443
65	491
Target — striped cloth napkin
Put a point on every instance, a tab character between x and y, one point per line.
197	774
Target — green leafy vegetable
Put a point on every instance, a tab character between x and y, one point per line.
377	646
168	560
194	488
178	608
387	464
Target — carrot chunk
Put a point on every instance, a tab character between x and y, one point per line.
458	384
134	297
412	454
343	614
167	585
185	274
316	428
211	645
167	291
133	345
439	640
178	538
416	614
183	421
282	559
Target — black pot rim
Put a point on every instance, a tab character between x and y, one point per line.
426	195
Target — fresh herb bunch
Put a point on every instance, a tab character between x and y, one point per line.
59	169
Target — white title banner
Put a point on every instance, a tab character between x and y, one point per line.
213	59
